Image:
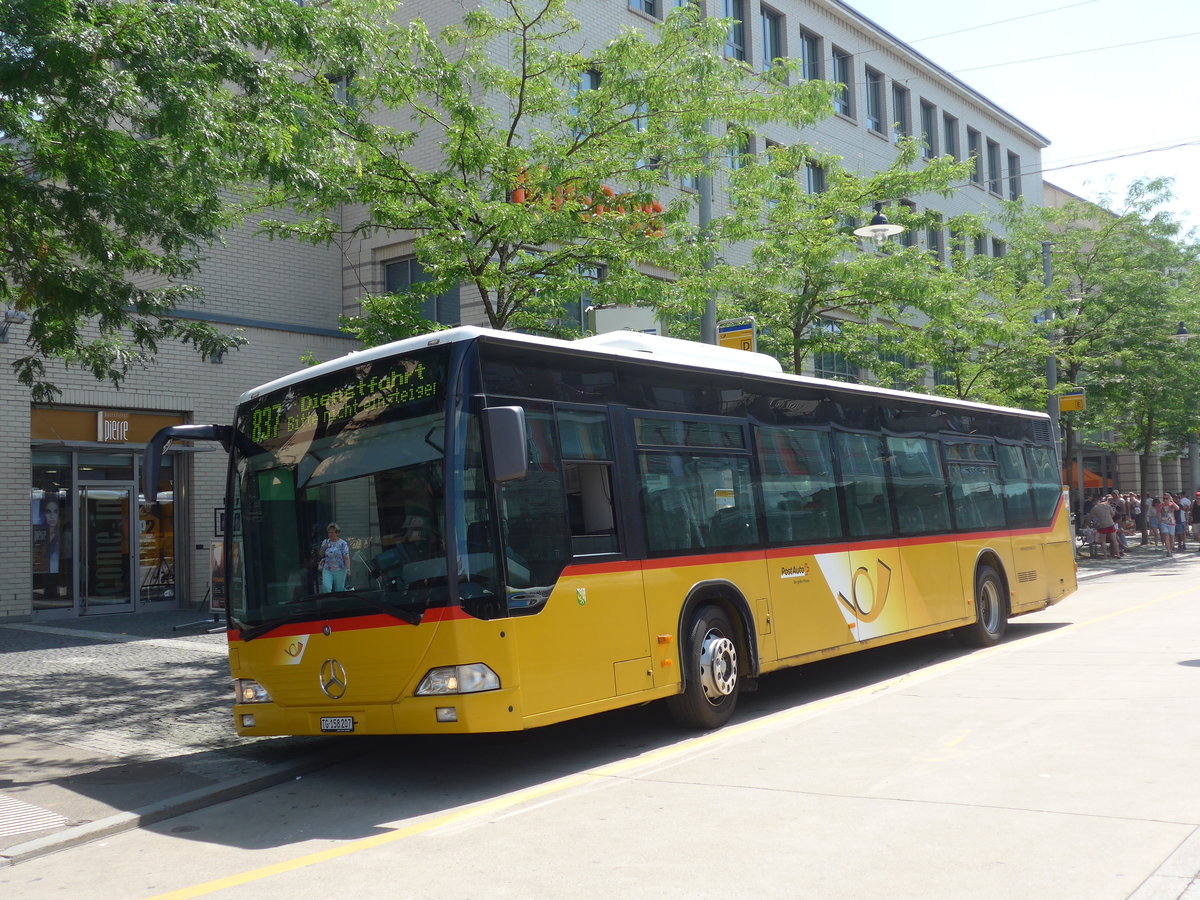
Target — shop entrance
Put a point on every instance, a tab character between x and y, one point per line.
106	526
98	545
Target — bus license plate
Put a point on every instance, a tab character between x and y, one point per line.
337	723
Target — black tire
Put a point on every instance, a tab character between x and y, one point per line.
991	612
709	657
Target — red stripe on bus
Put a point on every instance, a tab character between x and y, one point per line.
358	623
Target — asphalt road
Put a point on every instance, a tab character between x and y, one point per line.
1058	764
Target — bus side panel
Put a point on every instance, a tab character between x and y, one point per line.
1056	563
833	599
572	652
932	583
806	616
670	581
969	551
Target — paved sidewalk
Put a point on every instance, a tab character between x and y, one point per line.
112	722
1136	556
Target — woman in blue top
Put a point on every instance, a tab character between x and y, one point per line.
335	560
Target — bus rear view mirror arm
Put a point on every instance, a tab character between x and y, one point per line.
504	442
225	434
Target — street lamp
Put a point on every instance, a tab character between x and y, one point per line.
11	317
879	229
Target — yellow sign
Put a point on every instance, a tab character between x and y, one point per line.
739	337
1075	402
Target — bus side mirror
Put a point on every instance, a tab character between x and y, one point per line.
504	443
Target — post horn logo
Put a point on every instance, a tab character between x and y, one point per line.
333	679
868	605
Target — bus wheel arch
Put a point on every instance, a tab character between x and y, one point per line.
992	607
717	654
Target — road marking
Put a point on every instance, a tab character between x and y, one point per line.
671	753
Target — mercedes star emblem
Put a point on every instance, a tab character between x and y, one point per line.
333	679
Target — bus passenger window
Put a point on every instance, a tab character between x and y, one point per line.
697	501
588	480
798	485
590	508
1047	481
974	485
919	486
864	483
1018	495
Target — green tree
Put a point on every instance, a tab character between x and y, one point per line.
793	214
1122	277
552	160
129	130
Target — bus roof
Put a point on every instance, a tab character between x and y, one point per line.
630	345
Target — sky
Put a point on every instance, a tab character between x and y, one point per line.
1113	84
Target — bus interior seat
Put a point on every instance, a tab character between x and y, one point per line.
670	522
732	526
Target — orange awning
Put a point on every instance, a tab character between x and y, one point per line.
1090	478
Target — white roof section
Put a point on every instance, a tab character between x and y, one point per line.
629	345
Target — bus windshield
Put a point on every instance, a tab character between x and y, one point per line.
361	451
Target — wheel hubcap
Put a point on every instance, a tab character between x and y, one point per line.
718	666
989	606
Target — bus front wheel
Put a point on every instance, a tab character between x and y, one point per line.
710	672
990	615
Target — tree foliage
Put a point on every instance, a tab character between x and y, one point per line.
803	261
1123	276
552	158
130	134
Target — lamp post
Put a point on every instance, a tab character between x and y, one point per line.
879	229
1182	335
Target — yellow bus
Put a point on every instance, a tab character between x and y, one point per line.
536	530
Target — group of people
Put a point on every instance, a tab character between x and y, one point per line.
1163	521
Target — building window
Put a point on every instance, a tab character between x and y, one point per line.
1014	177
814	179
772	37
574	311
928	130
649	7
901	114
588	81
981	245
975	151
933	240
810	56
403	274
340	85
997	248
735	38
993	166
829	363
843	72
950	135
739	149
875	103
907	237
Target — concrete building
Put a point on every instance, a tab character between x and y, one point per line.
69	472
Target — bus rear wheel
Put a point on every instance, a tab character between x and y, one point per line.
990	616
710	672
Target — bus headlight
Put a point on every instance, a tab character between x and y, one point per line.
247	691
470	679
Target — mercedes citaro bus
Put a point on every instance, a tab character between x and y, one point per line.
539	530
